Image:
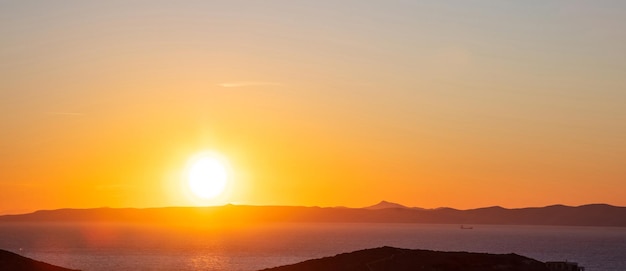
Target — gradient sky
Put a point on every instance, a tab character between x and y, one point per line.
426	103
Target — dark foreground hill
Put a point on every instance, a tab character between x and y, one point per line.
397	259
10	261
586	215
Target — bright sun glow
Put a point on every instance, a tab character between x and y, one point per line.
207	177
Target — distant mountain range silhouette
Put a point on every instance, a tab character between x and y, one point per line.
384	212
10	261
397	259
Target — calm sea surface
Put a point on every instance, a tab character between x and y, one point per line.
105	247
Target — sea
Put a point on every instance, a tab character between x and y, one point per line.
126	247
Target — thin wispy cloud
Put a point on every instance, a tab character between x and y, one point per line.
65	113
241	84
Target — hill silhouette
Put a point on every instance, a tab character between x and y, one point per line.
10	261
397	259
385	205
586	215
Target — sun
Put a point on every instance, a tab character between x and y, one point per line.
207	177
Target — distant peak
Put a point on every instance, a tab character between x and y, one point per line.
386	205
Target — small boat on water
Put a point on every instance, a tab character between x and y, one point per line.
463	227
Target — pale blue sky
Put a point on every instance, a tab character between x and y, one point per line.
439	92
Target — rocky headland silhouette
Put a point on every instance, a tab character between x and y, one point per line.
398	259
10	261
374	259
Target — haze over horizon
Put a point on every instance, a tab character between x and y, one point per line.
320	103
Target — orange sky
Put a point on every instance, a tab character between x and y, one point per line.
319	103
